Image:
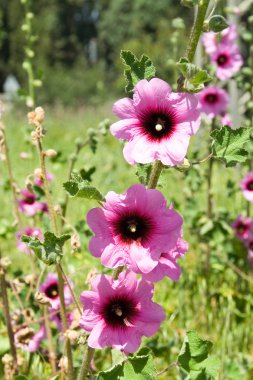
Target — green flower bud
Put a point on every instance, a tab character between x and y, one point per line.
217	23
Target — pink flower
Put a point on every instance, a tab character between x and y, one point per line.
29	205
57	319
35	342
211	40
119	312
50	289
38	180
134	229
226	120
247	186
242	227
167	265
157	123
36	232
213	101
227	60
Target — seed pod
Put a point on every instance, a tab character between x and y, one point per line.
217	23
42	299
50	153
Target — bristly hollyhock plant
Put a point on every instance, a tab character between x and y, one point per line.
242	227
213	101
29	231
50	289
227	60
247	186
117	313
133	229
157	123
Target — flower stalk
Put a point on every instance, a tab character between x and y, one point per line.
52	355
85	367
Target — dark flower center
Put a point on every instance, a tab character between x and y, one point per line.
120	312
132	227
158	125
241	228
52	291
250	186
251	245
211	98
222	59
29	199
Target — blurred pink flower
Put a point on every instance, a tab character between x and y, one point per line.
50	289
227	59
157	123
211	40
242	227
39	182
167	265
119	312
134	229
213	101
29	231
35	342
247	186
29	205
226	120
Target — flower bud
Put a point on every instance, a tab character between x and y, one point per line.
63	364
50	153
75	242
217	23
42	299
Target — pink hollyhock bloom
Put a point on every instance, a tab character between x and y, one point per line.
247	186
211	40
50	289
242	227
226	120
213	101
133	229
27	203
227	60
167	265
39	182
35	342
119	312
157	123
35	232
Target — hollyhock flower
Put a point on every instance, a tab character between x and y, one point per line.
38	180
227	60
211	40
213	101
50	289
35	232
133	229
247	186
242	227
157	123
226	120
167	265
35	342
27	203
119	312
57	319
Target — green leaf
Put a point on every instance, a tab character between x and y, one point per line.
195	77
137	69
143	172
80	188
50	250
228	144
138	367
194	358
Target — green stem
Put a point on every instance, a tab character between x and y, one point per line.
197	29
155	174
85	367
52	355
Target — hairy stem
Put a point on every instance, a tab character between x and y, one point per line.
71	290
52	355
155	174
197	29
85	367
